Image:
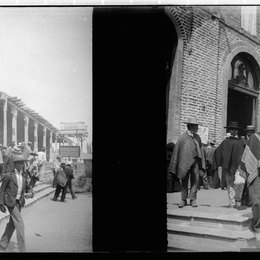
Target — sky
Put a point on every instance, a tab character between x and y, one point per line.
46	61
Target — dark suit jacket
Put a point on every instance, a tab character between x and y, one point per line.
9	189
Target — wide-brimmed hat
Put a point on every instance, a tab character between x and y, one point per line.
17	150
250	128
33	153
19	158
192	121
233	125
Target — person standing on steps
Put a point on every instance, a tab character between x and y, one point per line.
228	155
187	161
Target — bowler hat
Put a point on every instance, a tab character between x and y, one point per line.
19	158
233	125
250	128
192	121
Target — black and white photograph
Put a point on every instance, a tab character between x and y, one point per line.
213	124
46	129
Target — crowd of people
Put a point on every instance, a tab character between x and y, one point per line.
20	169
233	165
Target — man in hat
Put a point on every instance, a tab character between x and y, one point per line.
228	156
13	192
8	165
33	168
250	130
187	162
70	176
60	183
10	148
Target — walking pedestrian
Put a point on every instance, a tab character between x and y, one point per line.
13	192
70	177
228	155
187	161
60	183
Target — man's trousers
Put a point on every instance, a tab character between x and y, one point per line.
193	174
15	222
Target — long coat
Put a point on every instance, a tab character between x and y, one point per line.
185	153
9	189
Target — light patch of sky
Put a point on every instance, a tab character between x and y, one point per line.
46	60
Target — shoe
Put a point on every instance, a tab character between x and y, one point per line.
193	203
183	203
54	199
232	206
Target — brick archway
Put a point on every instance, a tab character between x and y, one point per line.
233	50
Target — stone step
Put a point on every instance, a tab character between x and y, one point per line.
40	186
196	238
223	219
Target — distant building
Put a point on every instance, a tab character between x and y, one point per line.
19	123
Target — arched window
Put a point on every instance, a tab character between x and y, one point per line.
242	73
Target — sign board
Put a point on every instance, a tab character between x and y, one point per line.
69	151
203	132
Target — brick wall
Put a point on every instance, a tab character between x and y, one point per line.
207	44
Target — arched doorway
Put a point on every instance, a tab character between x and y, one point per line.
243	90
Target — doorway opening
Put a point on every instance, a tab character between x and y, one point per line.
240	108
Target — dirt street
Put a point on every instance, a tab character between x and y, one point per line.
57	227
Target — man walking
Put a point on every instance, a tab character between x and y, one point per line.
13	192
70	176
60	183
187	162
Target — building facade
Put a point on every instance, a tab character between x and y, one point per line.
215	69
19	123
